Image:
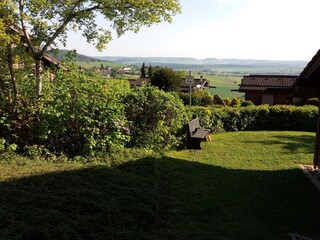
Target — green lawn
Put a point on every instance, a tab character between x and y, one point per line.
243	185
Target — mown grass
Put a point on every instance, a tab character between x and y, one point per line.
243	185
224	84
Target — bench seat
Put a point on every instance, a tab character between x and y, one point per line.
195	134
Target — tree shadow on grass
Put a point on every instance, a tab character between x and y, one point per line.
161	198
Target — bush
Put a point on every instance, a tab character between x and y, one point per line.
203	113
198	98
81	114
235	102
166	79
246	104
289	118
227	101
155	118
76	115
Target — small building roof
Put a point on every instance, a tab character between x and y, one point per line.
199	83
139	82
47	59
266	82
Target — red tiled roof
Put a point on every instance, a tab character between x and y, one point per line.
264	82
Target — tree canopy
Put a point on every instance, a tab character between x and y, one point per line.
45	22
166	79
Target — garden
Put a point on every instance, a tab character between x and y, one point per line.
91	158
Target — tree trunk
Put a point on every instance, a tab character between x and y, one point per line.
12	74
37	74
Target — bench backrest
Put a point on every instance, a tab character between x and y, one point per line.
193	125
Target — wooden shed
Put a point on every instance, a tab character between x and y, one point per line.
268	89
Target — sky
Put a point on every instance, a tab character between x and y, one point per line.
242	29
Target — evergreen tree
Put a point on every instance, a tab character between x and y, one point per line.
143	70
149	71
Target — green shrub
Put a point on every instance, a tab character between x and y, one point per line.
4	146
198	98
235	102
227	101
257	118
76	115
203	113
155	118
81	115
166	79
246	104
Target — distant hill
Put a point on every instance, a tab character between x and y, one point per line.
82	58
237	66
206	61
208	65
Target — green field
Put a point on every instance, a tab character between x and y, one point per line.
97	64
242	185
224	85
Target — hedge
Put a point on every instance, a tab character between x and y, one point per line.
255	118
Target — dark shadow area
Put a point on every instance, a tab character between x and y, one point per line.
162	198
302	143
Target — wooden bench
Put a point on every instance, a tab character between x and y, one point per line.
195	134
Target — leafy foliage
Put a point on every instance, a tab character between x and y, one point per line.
44	22
256	118
143	71
76	115
82	114
166	79
198	98
247	103
155	118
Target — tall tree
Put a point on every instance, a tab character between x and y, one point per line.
149	71
143	70
44	22
8	45
166	79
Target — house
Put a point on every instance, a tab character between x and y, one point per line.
198	84
47	60
125	70
268	89
50	61
308	86
141	81
106	72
